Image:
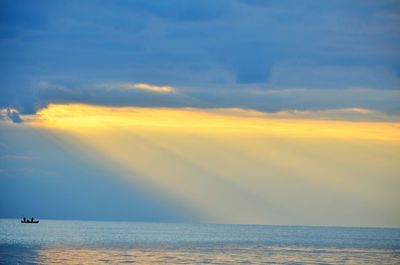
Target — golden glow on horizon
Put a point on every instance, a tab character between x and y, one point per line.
239	166
80	117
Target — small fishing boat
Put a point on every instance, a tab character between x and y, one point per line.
29	221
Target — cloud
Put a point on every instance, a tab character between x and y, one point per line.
139	86
242	96
209	45
11	115
161	89
357	104
350	114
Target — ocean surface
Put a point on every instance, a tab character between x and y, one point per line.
90	242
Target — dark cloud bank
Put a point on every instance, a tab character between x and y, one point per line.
216	52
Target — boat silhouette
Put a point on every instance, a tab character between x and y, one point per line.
29	221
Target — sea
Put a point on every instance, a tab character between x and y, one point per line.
100	242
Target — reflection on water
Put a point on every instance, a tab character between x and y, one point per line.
217	254
90	242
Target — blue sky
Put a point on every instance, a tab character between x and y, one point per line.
277	112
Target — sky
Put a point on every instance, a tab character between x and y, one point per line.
258	112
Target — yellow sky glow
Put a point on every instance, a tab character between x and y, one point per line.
78	116
241	166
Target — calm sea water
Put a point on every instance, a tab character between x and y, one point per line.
89	242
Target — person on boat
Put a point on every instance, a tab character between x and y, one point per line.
24	219
32	219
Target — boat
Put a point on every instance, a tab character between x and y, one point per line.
29	221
